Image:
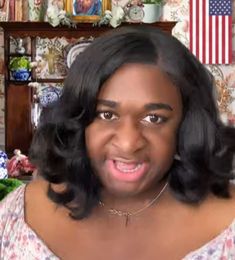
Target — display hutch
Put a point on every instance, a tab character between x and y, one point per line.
18	95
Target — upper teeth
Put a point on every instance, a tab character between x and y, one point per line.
127	167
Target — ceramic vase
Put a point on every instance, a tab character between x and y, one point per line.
152	13
37	10
21	74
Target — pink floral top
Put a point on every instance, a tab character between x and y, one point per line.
19	242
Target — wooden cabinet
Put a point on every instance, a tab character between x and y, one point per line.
18	117
19	96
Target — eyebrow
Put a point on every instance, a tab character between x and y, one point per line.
148	107
107	103
156	106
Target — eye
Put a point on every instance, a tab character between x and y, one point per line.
106	115
154	119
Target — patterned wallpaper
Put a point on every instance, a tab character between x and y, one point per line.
174	10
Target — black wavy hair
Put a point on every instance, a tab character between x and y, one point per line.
205	146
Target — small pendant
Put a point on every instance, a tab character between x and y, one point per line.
127	219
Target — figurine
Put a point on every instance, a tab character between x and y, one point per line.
19	46
19	165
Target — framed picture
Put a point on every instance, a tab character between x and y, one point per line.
87	11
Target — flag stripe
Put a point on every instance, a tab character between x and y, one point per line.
216	50
197	28
206	33
204	21
200	52
226	41
213	48
223	41
230	30
191	26
210	33
211	40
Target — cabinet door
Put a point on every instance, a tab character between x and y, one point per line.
18	118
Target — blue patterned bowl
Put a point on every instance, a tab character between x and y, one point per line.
21	74
49	95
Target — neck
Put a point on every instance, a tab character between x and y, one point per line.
132	202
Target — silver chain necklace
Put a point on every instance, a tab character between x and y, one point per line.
127	214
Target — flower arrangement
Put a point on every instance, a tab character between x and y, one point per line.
113	18
20	68
57	16
20	62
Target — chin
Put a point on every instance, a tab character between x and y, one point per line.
122	190
121	193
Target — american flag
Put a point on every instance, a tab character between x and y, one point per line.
211	30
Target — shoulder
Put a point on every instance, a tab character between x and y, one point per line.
220	210
13	200
12	203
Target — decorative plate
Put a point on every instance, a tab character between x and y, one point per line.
75	49
49	95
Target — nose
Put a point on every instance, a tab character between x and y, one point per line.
128	138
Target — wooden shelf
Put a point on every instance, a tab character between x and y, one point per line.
44	29
19	55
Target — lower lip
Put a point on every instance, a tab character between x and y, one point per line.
126	177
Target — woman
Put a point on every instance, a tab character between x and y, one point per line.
134	161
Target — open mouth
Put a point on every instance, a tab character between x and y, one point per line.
126	171
127	167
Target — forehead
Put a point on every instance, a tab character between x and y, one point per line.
140	84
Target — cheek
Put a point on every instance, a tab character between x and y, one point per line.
164	147
91	140
96	140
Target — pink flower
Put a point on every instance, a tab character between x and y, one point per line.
37	2
229	243
185	26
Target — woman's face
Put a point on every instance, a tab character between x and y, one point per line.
132	141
